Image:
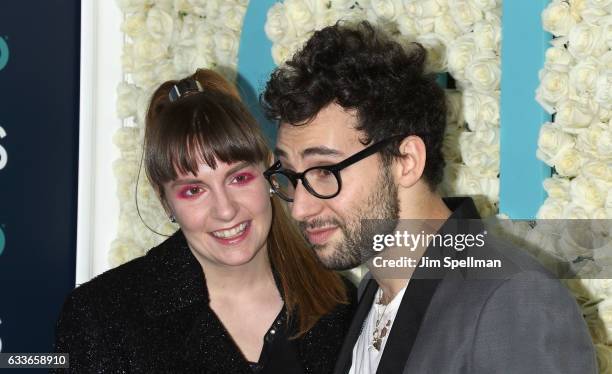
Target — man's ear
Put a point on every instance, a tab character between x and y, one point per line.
409	166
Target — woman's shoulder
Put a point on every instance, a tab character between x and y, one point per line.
119	287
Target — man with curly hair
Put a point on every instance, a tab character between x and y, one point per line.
358	153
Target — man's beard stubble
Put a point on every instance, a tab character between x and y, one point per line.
379	215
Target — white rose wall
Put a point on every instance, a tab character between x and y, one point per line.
528	129
529	132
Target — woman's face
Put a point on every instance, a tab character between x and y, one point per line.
224	213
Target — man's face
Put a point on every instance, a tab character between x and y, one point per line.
335	227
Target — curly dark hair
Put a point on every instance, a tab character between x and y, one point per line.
359	67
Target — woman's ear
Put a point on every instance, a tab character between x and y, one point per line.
409	166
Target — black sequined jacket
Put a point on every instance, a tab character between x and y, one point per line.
151	315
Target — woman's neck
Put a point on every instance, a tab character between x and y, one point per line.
236	281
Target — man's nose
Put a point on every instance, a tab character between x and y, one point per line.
304	204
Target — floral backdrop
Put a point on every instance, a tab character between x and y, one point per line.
169	39
576	89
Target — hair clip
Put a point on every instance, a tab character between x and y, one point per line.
184	87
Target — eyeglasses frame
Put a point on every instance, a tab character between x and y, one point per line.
335	169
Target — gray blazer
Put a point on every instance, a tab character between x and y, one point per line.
522	321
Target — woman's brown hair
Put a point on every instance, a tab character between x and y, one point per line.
213	124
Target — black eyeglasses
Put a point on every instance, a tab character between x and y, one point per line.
323	182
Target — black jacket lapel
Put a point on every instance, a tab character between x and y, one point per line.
345	356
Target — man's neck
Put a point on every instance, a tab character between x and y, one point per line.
431	212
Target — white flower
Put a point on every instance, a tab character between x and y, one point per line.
600	4
574	211
385	9
554	87
585	193
126	173
572	115
144	77
277	25
436	52
551	209
233	16
608	204
460	54
280	53
149	49
142	105
351	15
480	150
127	95
484	205
445	26
128	61
450	144
183	6
484	73
606	29
551	142
226	45
424	25
127	138
568	162
300	15
425	8
557	18
186	27
598	288
134	24
557	188
487	35
577	7
486	5
454	107
596	141
131	6
586	40
159	25
122	250
598	171
165	71
605	313
603	89
559	59
463	180
584	75
406	25
604	356
592	15
481	109
465	13
343	5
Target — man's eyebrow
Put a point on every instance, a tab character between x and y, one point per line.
320	151
280	153
312	151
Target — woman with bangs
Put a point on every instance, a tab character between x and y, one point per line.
235	289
